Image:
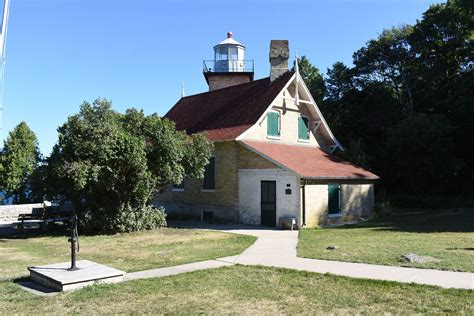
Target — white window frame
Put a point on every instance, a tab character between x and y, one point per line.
309	130
215	177
279	125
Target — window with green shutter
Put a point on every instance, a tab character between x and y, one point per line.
303	128
334	199
209	182
273	124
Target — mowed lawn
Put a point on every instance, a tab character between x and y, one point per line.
128	252
243	290
447	235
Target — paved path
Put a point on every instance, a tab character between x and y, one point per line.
277	248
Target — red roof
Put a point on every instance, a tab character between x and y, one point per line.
226	113
309	162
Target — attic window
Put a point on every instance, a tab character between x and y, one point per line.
273	124
303	128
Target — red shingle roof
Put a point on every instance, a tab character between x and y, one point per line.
310	162
226	113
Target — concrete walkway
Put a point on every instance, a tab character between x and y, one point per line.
277	248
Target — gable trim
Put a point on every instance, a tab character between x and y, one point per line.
262	117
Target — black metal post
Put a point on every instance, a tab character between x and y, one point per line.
73	240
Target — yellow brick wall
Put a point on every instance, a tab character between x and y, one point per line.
230	157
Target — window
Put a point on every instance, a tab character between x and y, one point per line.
303	128
273	124
178	187
209	182
334	199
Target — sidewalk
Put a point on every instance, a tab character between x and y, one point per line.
277	248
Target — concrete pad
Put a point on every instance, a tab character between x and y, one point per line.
56	276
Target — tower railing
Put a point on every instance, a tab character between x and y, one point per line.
228	66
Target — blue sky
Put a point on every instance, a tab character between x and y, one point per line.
137	52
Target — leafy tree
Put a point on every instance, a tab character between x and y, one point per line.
389	60
313	79
111	165
18	160
339	81
420	154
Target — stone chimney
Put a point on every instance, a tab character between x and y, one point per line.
279	54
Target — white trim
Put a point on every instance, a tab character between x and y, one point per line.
321	117
332	148
335	215
177	190
279	95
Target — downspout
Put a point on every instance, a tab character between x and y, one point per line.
304	202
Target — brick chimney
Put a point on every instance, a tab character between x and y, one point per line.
279	54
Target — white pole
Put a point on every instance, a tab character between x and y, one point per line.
297	70
3	46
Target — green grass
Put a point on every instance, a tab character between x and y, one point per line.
447	235
244	290
129	252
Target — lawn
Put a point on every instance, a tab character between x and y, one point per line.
243	290
129	252
447	235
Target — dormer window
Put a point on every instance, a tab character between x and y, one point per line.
273	124
303	128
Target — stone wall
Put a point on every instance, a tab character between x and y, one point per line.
287	202
9	213
357	201
223	201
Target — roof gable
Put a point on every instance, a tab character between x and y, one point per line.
226	113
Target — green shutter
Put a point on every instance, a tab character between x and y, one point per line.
333	199
272	124
209	182
303	130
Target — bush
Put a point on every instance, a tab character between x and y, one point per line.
131	219
383	208
123	220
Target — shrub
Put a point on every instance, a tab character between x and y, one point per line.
383	208
131	219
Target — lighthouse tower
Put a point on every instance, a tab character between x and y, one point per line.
229	66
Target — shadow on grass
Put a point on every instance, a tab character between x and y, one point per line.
34	288
423	221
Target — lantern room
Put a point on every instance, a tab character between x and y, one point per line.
229	66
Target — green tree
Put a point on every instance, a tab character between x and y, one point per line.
111	165
313	79
420	154
389	60
18	160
